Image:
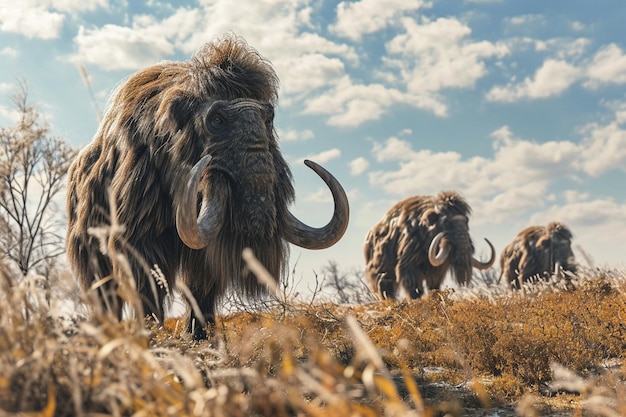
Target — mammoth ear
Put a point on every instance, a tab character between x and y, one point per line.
429	219
174	112
543	242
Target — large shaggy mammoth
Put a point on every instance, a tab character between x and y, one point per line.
537	252
189	154
418	241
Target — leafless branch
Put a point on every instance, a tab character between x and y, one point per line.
33	166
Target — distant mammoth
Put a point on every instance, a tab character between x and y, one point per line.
189	153
417	242
538	252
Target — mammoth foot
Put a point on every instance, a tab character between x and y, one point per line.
198	330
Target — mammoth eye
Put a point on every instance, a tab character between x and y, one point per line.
269	120
217	121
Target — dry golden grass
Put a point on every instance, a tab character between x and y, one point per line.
482	351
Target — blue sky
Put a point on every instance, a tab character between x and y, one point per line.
518	105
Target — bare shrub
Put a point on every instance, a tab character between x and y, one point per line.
486	277
345	287
33	167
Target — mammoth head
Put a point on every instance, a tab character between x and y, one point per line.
215	126
556	232
448	221
243	178
556	242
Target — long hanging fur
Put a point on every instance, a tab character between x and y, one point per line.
396	248
535	251
150	137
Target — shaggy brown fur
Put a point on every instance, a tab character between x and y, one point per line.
534	253
396	249
151	136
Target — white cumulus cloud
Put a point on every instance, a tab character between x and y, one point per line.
120	48
554	77
517	178
514	180
324	156
30	20
608	67
351	104
605	145
437	54
144	43
8	51
37	19
292	135
358	166
355	19
590	220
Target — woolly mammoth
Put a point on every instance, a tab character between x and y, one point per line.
187	159
537	252
417	242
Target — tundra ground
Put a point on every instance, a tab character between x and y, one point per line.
480	351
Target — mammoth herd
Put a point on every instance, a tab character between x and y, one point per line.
422	238
186	160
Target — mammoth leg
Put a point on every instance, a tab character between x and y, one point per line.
410	281
415	290
107	301
152	303
198	325
95	273
153	268
511	271
386	289
155	288
204	289
513	276
516	281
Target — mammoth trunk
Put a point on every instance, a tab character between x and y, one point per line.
461	268
246	189
461	256
224	261
251	190
255	206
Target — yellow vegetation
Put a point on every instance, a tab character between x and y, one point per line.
453	352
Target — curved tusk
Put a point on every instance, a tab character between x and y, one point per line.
309	237
437	254
484	265
195	231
